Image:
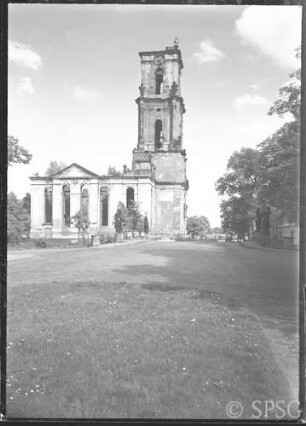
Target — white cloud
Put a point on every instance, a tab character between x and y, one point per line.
249	100
25	86
24	55
85	95
208	53
275	30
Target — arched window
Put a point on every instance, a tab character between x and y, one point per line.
159	78
104	205
158	133
84	200
66	204
129	197
48	205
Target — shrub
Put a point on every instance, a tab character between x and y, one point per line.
40	242
181	237
107	238
18	220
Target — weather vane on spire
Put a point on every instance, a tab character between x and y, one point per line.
176	42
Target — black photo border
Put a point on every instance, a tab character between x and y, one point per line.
3	213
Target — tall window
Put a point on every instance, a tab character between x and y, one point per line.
104	206
84	200
66	202
159	78
129	197
158	134
48	205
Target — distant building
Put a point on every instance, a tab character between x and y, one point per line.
157	181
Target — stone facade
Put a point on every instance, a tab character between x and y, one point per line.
157	180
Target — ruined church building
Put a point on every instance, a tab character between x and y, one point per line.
157	181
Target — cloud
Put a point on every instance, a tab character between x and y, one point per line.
85	95
249	100
208	53
24	55
274	30
25	86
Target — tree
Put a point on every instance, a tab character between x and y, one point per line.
135	217
240	184
112	171
54	167
121	218
289	100
18	219
26	202
146	225
236	216
279	160
242	176
197	226
266	177
280	152
81	221
16	153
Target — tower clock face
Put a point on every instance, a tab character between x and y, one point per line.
159	60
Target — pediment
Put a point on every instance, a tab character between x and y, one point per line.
74	171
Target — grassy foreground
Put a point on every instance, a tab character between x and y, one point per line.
124	350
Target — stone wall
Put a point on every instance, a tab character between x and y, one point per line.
169	211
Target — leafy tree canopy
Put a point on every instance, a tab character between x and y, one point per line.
236	216
18	219
112	171
54	167
242	174
268	175
26	202
16	153
280	170
81	220
128	219
289	100
197	225
121	218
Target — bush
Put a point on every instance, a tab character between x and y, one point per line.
107	238
181	237
40	242
18	220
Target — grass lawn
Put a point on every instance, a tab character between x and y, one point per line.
101	348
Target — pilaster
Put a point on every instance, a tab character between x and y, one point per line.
75	198
57	207
94	206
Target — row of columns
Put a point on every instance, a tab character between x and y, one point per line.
38	217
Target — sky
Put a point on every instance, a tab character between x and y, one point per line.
74	74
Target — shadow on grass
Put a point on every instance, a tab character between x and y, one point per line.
263	281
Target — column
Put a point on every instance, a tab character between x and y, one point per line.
75	198
37	208
57	207
93	191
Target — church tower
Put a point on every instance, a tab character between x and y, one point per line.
160	138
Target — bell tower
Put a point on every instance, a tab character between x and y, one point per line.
160	136
160	104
